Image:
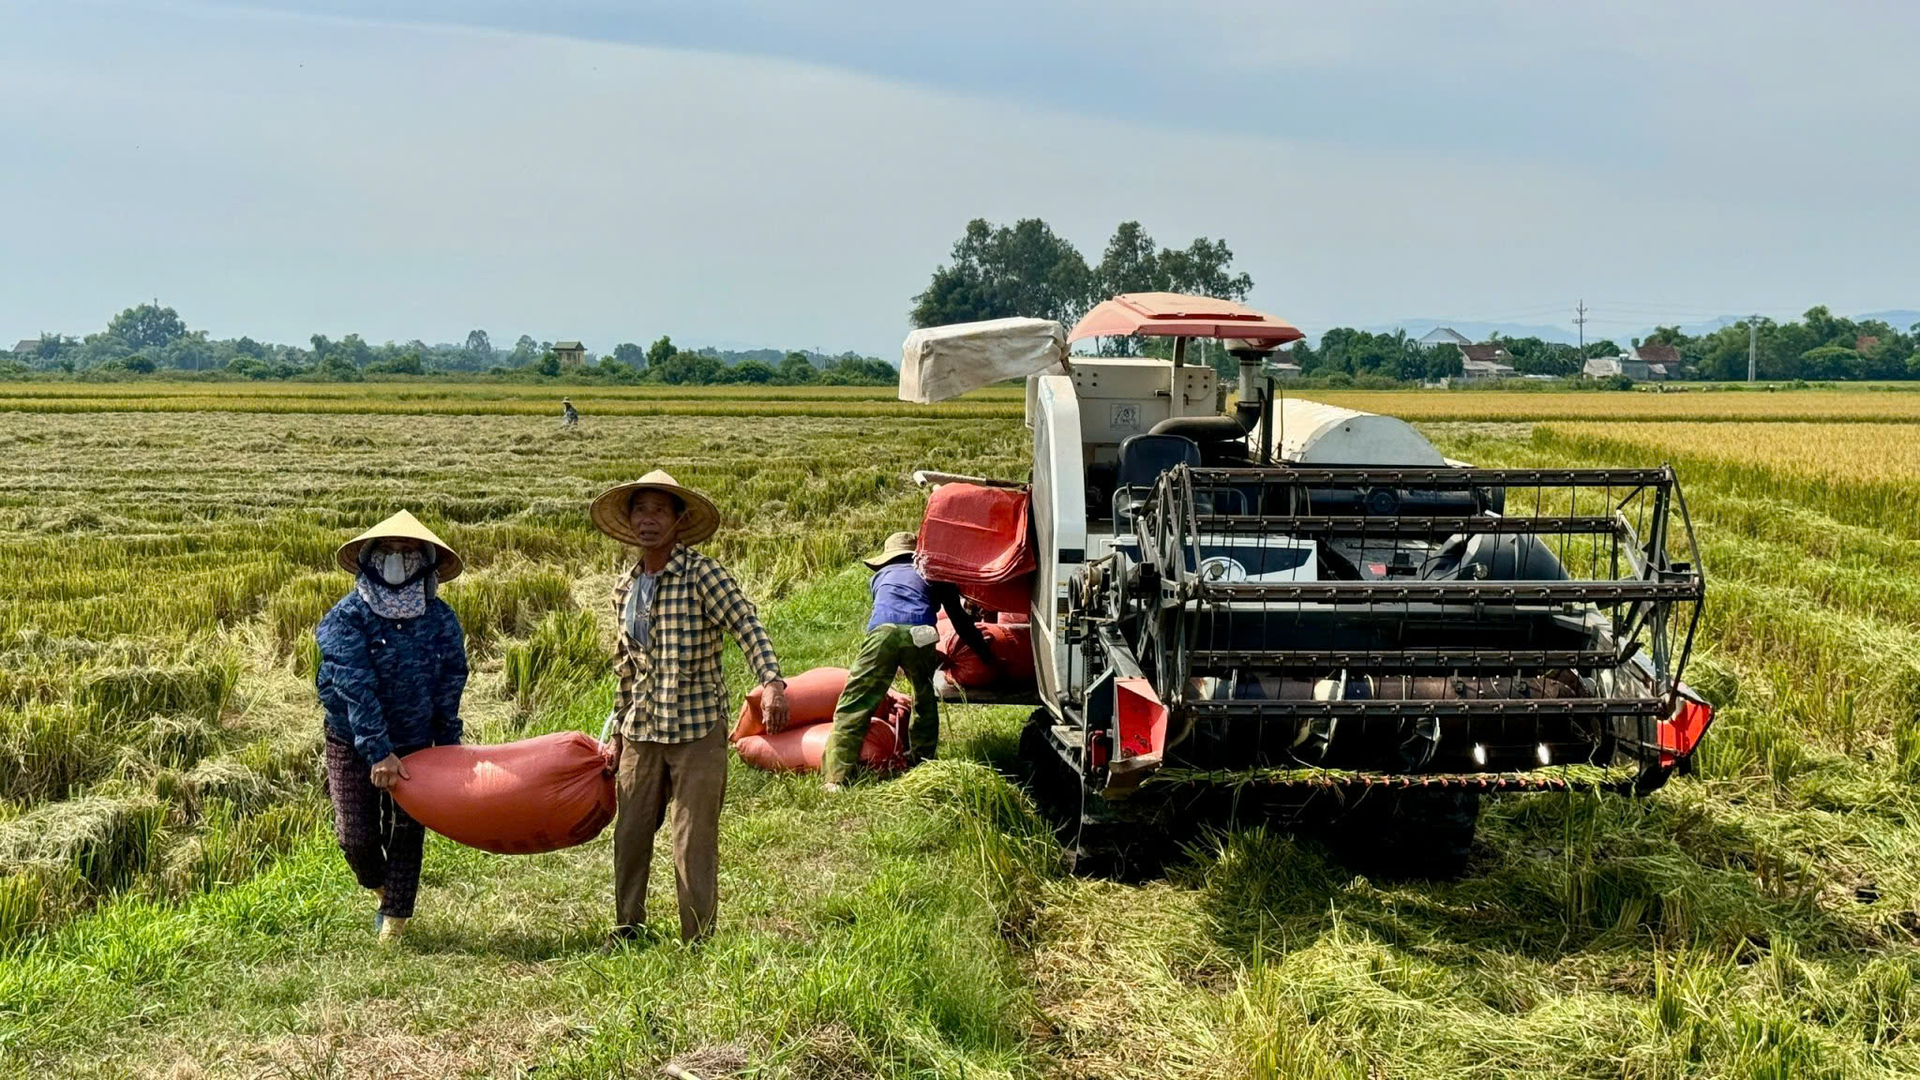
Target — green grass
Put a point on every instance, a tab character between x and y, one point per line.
171	903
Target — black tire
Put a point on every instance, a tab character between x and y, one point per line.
1415	833
1094	842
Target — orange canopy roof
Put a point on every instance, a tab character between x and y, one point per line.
1161	314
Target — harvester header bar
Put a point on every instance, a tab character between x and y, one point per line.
1384	525
1439	708
1449	478
1491	593
1462	659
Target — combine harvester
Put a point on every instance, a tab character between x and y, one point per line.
1293	612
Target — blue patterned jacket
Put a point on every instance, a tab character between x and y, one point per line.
387	682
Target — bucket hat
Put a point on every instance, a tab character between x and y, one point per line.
401	526
899	546
610	510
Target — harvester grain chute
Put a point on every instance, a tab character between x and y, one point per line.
1299	611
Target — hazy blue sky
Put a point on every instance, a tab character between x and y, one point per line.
749	172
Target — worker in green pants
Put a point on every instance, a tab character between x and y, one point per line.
900	637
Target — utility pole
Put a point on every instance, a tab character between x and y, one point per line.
1580	320
1753	342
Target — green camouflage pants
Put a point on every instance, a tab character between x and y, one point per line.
888	648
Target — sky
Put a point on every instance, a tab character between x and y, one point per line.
746	173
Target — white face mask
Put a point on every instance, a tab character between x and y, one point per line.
393	567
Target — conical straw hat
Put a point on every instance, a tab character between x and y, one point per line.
401	526
610	511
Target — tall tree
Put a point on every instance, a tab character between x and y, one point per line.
796	369
479	348
147	326
1204	268
1131	264
631	355
660	351
995	273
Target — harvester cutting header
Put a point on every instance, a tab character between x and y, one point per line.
1289	605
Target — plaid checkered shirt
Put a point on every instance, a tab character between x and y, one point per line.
671	690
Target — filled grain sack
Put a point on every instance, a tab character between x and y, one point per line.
516	798
811	697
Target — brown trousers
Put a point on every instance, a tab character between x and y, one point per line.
693	776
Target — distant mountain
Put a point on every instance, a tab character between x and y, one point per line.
1478	331
1901	319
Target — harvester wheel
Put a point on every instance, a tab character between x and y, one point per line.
1049	779
1095	845
1414	833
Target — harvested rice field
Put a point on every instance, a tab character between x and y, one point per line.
172	903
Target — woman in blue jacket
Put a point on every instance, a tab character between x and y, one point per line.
393	663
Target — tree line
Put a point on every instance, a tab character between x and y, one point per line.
149	339
1027	269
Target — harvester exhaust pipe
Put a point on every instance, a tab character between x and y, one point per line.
1251	403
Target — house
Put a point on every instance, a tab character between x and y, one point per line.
1443	335
28	346
1660	361
1601	367
1646	363
1490	361
571	353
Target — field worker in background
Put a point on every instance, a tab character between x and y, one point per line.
674	609
900	637
568	418
393	663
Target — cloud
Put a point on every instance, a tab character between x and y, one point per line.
793	182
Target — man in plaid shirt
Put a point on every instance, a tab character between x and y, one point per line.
668	742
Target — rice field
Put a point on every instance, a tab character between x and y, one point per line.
171	903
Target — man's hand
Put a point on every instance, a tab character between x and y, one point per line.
773	707
388	771
613	755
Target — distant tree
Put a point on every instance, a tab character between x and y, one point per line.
1204	268
147	326
525	351
50	346
796	369
1130	264
479	348
549	364
686	369
852	369
631	355
135	364
407	363
1023	269
333	366
660	351
246	346
750	372
1133	263
248	367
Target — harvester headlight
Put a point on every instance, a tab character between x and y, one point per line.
1479	754
1542	754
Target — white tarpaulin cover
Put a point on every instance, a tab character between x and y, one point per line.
940	362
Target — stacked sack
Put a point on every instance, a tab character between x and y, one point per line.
977	539
1012	647
801	747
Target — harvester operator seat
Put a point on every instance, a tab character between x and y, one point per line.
1142	459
